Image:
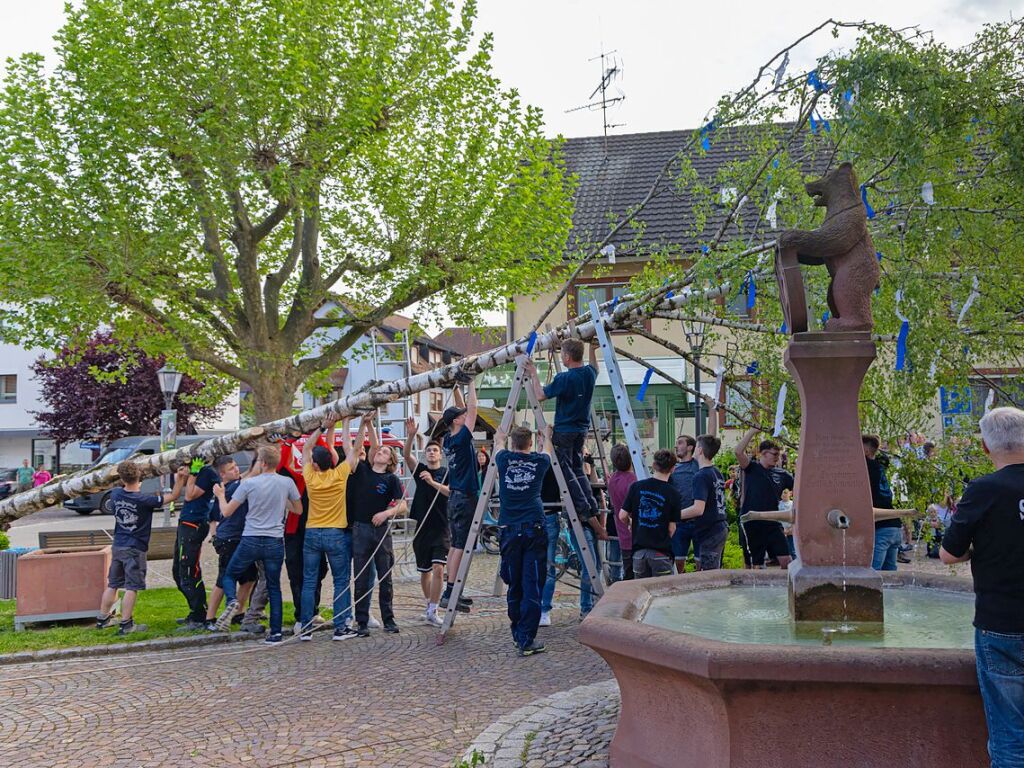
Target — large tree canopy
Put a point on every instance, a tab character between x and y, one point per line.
105	390
200	174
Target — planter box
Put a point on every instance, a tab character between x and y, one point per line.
60	583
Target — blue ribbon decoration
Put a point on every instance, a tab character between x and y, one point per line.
782	328
814	80
705	249
879	255
533	340
901	345
751	290
824	318
705	141
643	386
615	303
867	205
754	369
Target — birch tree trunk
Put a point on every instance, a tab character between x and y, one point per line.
102	478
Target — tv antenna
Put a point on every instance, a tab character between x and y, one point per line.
611	70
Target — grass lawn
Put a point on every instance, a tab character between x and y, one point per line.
157	608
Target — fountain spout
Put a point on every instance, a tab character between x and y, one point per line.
837	519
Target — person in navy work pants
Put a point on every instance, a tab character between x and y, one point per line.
524	540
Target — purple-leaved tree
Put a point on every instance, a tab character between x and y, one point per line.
107	390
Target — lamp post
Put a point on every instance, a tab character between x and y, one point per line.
170	381
695	331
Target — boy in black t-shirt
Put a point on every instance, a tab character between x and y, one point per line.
708	508
763	484
374	497
133	525
524	541
652	507
988	530
432	541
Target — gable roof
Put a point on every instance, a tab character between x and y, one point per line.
615	180
472	341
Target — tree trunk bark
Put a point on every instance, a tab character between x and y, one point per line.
273	397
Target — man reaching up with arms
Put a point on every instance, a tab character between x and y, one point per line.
462	481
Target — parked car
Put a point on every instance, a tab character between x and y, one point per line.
8	482
132	447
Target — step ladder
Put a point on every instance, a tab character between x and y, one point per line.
488	489
636	450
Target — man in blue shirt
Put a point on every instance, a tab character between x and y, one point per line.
682	480
707	506
524	540
193	527
463	484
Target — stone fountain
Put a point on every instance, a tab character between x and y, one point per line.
818	666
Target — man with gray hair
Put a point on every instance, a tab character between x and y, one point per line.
988	530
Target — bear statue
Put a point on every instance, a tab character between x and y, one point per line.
843	244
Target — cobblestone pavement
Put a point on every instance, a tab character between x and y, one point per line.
383	701
570	728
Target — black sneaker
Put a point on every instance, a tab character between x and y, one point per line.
129	627
254	629
102	622
211	625
237	620
345	633
390	626
192	626
465	600
362	631
274	639
459	606
306	635
532	648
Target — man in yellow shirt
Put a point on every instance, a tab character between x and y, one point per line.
327	528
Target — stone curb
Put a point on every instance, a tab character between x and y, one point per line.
502	742
156	644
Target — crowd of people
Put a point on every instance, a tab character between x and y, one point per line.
338	508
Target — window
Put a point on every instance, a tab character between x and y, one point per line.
599	292
9	388
436	402
1010	391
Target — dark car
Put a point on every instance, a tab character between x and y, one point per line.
132	447
8	482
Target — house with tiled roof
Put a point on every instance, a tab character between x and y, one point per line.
612	178
472	341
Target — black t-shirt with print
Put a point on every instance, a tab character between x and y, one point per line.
652	505
990	518
370	492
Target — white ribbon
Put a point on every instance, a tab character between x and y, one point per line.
719	378
771	217
990	400
970	300
899	297
780	407
781	71
928	193
609	251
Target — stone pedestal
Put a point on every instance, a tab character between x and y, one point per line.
833	579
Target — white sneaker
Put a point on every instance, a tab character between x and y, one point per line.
297	629
545	619
373	622
425	617
434	620
319	621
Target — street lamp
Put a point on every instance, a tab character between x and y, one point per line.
170	381
695	332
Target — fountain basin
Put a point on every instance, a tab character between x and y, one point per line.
692	700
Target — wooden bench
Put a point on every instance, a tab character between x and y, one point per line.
161	543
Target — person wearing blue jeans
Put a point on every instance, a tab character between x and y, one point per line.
521	473
553	529
327	531
888	533
987	529
270	497
586	593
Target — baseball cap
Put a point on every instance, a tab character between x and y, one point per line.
451	414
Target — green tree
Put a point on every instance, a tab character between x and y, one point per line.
936	136
202	175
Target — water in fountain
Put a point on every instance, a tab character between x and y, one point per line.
914	618
746	547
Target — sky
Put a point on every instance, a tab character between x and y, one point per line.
677	56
